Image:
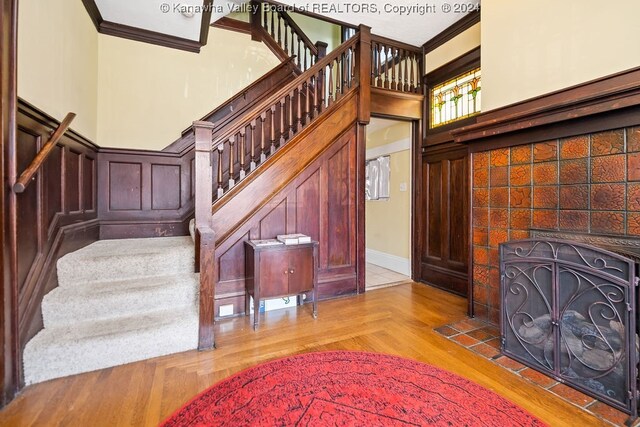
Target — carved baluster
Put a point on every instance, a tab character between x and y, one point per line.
273	129
220	186
387	70
330	100
263	155
254	159
299	108
291	121
373	64
412	76
343	71
265	18
273	28
380	66
394	82
299	51
286	38
306	53
405	71
279	30
232	181
283	129
242	153
320	90
307	107
353	67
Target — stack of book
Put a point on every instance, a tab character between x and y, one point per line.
267	242
294	239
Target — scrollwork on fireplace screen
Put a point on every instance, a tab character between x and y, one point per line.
568	310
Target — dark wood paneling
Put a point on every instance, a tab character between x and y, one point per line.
389	103
125	186
144	193
165	187
319	200
53	216
443	221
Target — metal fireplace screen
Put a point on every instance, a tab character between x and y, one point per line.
568	310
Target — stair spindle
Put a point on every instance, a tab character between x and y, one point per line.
394	82
232	181
254	159
406	71
299	109
353	67
307	107
283	129
279	20
286	38
379	65
220	170
263	155
412	75
299	50
242	153
273	30
330	100
319	96
273	129
265	17
306	54
291	121
373	64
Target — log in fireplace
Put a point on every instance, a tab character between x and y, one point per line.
569	311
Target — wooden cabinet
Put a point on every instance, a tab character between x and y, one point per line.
278	271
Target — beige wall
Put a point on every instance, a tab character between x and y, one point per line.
388	222
318	30
58	61
530	48
149	94
454	48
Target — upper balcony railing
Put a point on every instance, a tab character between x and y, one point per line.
395	66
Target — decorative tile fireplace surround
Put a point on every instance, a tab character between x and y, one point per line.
584	184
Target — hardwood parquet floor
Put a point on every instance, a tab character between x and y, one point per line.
397	320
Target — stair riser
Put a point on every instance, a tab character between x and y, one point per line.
73	272
95	353
63	309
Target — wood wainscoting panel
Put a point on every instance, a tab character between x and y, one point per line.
320	202
55	215
144	193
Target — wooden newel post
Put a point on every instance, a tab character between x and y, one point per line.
205	237
322	49
363	73
255	20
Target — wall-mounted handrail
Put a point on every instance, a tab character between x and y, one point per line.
25	178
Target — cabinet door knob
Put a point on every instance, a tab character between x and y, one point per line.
286	272
291	271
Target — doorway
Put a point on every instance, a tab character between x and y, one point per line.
388	202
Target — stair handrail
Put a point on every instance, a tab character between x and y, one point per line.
27	175
285	90
301	34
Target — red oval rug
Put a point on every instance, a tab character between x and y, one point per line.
348	389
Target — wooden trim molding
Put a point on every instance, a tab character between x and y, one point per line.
449	33
230	24
619	93
146	36
9	348
205	24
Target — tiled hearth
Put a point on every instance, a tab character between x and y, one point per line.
586	184
483	339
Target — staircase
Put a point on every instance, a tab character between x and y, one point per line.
118	301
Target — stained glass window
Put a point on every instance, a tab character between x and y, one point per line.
456	99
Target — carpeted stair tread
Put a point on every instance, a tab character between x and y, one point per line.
108	260
105	300
87	346
118	301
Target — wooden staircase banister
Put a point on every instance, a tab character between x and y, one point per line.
286	90
27	175
301	34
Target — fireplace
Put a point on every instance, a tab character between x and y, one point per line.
569	311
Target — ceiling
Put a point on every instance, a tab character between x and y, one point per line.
415	24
